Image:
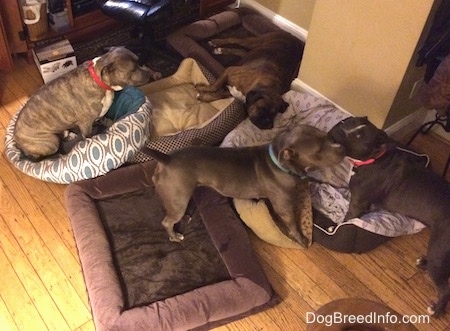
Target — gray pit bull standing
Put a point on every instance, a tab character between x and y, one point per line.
268	171
75	100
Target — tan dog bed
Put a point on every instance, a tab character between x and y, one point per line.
179	119
258	216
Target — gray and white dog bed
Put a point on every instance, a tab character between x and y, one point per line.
88	158
169	118
328	187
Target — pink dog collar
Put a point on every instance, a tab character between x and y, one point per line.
358	163
96	78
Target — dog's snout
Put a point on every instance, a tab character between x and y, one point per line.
337	151
337	146
263	123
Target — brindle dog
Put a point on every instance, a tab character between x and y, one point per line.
268	65
75	100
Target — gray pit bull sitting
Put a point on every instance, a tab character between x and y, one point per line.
268	171
75	100
389	178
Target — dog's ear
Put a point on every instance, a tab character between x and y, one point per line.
286	154
252	97
107	70
365	119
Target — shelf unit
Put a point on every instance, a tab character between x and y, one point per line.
80	28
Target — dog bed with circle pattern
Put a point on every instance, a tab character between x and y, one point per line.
88	158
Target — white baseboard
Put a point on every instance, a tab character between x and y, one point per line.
403	127
400	129
407	125
298	85
278	20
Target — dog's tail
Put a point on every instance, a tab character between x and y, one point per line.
157	155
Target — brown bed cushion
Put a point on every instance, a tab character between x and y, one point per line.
138	280
191	41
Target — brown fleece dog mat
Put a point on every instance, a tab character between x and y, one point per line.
138	280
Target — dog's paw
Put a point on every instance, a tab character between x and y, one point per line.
297	237
69	135
177	238
431	310
306	243
187	218
156	75
218	50
201	97
422	263
201	87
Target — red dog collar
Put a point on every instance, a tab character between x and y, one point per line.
358	163
96	78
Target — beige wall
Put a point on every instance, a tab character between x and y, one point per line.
357	52
298	12
361	54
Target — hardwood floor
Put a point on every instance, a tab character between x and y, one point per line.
42	285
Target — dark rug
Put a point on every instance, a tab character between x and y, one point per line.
162	58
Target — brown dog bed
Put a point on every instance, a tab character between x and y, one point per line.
138	280
192	40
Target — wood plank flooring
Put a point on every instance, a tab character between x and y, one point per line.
42	285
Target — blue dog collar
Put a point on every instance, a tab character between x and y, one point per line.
274	159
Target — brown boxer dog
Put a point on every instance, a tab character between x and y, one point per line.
268	171
269	62
75	100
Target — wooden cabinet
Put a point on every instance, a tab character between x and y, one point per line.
13	25
85	26
5	55
14	31
80	28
